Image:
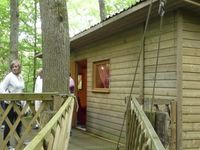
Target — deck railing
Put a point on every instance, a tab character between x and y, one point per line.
27	121
55	135
140	134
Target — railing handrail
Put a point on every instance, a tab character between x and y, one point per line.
45	96
155	141
38	139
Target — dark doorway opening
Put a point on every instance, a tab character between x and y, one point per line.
81	78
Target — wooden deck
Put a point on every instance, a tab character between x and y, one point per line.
81	140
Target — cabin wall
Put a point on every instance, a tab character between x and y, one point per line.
166	74
165	87
105	111
191	81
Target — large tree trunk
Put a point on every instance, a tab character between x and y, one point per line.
55	40
102	9
14	29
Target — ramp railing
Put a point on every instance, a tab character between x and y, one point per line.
55	135
140	134
57	129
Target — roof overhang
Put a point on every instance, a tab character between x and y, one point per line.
127	19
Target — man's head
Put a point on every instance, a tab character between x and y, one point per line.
40	72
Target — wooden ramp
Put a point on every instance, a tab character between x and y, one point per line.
81	140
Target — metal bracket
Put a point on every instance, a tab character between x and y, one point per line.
161	10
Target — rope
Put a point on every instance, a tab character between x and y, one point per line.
134	77
161	12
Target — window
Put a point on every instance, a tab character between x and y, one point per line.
101	76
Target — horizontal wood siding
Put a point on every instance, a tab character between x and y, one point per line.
191	81
165	87
105	112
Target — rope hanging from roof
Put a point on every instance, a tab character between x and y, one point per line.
161	12
134	77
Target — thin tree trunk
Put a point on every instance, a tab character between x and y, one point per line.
102	9
14	29
55	40
35	44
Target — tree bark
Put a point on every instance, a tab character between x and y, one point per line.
102	9
14	29
55	45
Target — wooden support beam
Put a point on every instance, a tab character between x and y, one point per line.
179	76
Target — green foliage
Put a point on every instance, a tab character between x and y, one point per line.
27	41
84	14
4	36
81	15
114	6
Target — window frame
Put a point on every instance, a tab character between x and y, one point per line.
94	88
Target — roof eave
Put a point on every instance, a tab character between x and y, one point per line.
108	27
124	20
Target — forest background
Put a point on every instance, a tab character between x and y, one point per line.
82	14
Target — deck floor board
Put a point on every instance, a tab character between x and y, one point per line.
81	140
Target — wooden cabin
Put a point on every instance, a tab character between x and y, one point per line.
104	58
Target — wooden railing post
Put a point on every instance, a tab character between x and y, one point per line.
173	126
128	121
46	116
141	134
